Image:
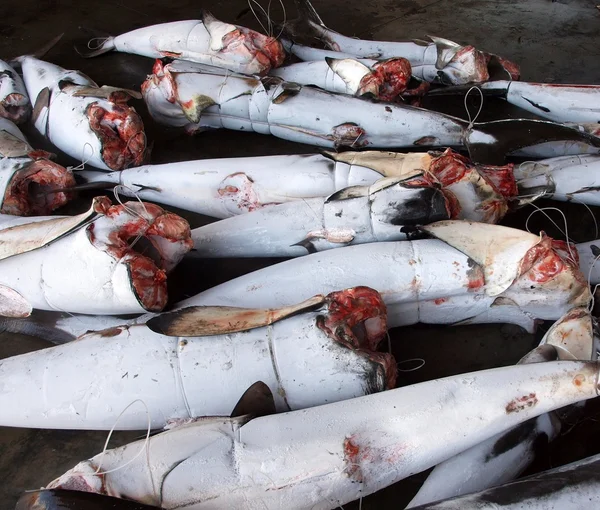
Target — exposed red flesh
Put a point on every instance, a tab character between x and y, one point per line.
15	107
26	194
470	56
121	133
501	178
547	259
267	51
149	278
389	78
357	318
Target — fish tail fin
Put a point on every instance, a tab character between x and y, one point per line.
307	12
98	44
491	142
40	52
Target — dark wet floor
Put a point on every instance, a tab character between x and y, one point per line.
552	41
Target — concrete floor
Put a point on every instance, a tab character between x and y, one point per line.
551	40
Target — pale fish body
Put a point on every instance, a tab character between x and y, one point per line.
227	187
474	273
85	264
574	178
505	456
89	123
557	102
300	353
436	60
25	176
385	80
14	101
328	455
542	491
356	215
206	41
182	95
472	269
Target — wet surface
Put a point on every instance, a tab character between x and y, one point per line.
551	40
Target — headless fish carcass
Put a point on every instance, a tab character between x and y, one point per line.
199	361
326	456
473	273
437	60
182	95
87	263
205	41
505	456
30	183
226	187
89	123
443	186
14	101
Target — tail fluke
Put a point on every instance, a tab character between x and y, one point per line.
490	142
98	44
306	11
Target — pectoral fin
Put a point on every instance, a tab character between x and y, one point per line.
41	101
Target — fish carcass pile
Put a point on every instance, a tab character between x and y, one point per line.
278	389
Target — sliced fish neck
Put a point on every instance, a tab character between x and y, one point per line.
345	450
350	216
14	101
28	178
89	123
206	41
313	356
382	80
59	252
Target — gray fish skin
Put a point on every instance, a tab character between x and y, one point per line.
572	487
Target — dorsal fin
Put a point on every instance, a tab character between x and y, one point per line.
216	29
220	320
257	400
41	101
